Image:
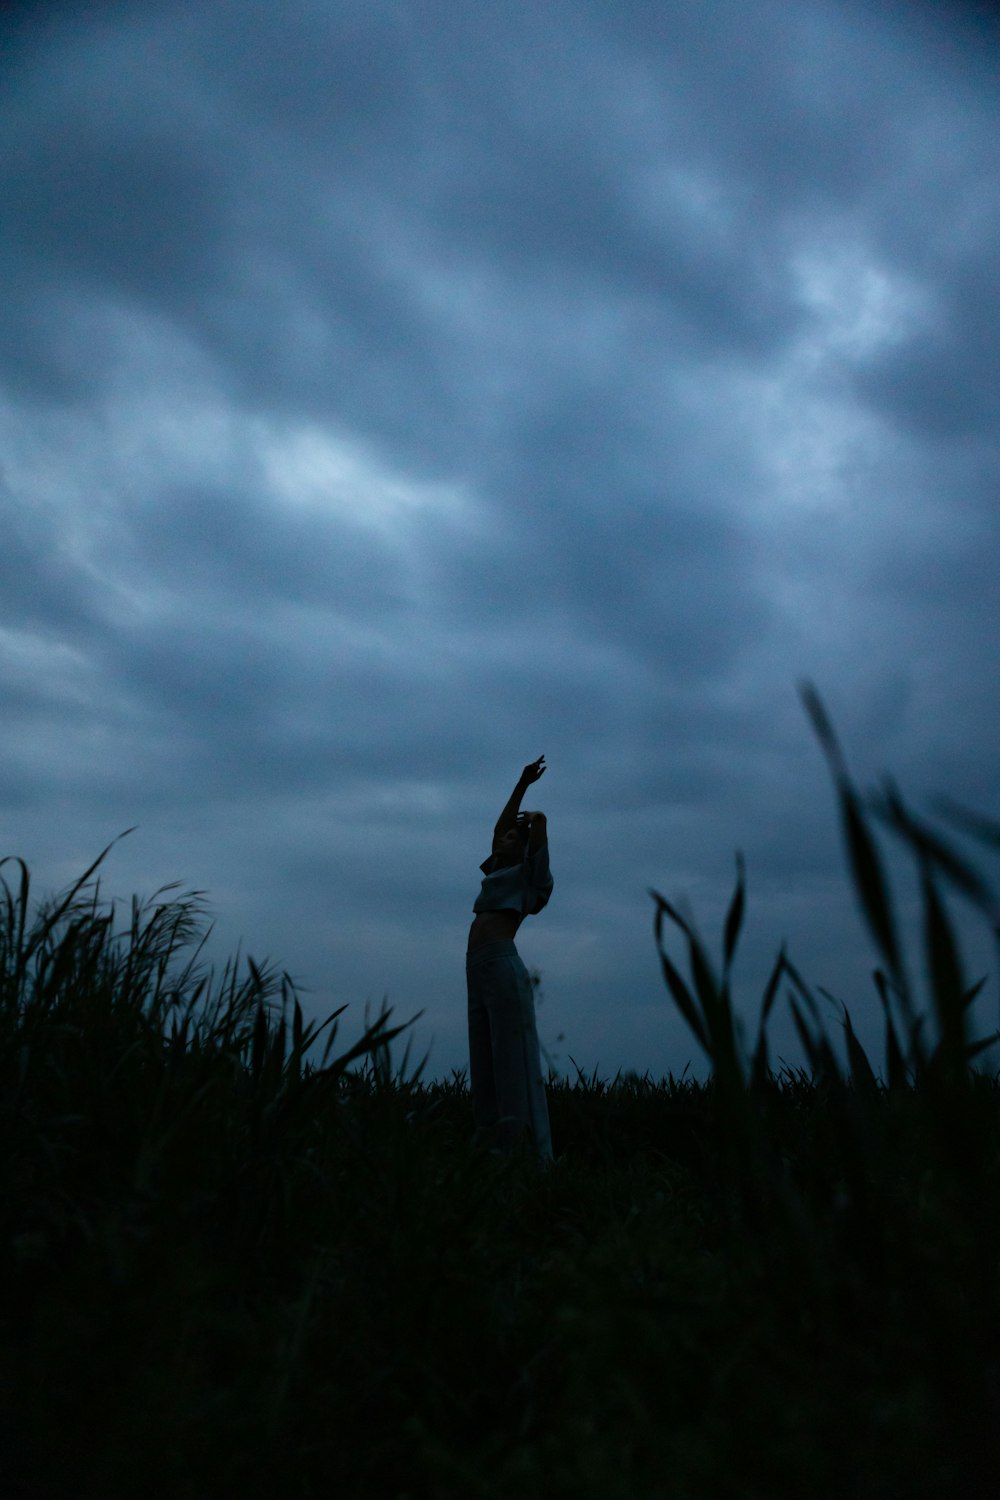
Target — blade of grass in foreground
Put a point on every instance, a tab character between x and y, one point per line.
683	998
947	984
734	917
866	864
760	1056
895	1064
930	848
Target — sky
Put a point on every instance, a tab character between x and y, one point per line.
391	394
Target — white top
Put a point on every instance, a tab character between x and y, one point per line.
525	887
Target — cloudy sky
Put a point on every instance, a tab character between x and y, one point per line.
393	393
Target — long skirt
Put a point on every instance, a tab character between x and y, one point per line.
505	1069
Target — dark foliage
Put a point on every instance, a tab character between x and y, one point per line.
236	1265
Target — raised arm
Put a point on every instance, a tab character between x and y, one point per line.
508	817
538	832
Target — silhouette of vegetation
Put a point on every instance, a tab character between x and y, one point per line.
238	1261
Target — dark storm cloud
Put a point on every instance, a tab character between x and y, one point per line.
236	547
691	609
110	189
167	186
41	586
250	201
947	383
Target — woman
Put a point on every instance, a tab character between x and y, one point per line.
505	1071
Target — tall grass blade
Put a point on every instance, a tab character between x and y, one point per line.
334	1018
860	1069
716	1009
818	1048
734	917
973	991
373	1038
944	969
16	918
760	1064
974	1048
258	1049
866	865
682	996
930	847
894	1061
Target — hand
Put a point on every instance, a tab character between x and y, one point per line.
534	771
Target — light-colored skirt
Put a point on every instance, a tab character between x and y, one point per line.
505	1068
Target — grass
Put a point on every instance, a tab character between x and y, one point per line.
241	1258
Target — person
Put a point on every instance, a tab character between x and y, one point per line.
505	1070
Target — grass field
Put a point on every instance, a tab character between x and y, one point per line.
243	1259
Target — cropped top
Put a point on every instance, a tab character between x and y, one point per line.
525	887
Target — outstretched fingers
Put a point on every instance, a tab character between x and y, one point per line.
535	769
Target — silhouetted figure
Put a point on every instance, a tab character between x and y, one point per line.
505	1070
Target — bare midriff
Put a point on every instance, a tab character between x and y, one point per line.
493	927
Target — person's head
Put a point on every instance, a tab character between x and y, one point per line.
509	848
